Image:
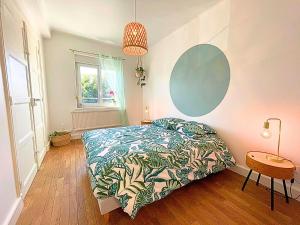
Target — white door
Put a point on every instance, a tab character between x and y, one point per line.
35	66
20	97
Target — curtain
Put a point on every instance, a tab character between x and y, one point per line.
116	65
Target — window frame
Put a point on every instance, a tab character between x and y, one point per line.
99	103
80	103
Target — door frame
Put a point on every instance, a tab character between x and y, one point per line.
4	72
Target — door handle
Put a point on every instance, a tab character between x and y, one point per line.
34	100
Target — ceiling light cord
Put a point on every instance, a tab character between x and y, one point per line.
134	10
135	37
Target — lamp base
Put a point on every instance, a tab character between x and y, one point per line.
275	158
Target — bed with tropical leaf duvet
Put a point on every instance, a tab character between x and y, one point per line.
138	165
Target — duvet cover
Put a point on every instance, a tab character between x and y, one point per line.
142	164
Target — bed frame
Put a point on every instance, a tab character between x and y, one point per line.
107	205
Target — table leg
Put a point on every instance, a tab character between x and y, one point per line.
272	193
258	178
285	192
244	185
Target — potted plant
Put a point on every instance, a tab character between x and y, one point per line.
60	138
112	95
140	74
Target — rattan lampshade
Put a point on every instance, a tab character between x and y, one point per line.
135	39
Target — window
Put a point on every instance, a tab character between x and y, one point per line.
96	87
108	86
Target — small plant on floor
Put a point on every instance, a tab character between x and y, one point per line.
60	138
58	133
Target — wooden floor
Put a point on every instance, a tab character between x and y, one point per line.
61	194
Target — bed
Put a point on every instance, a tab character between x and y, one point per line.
133	166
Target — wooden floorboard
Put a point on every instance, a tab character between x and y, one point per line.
61	194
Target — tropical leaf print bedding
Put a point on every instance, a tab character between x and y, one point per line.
142	164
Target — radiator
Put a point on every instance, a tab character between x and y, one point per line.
87	119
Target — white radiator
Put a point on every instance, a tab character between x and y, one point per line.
87	119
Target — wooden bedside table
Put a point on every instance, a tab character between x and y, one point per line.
146	122
258	162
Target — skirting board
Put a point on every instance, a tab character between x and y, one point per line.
14	213
265	181
28	180
41	158
48	146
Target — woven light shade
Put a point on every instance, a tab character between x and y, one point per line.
135	39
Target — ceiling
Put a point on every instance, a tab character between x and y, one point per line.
104	20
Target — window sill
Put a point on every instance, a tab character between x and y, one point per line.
96	109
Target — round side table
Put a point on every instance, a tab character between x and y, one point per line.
146	122
258	162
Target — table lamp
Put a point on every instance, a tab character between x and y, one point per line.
147	114
266	133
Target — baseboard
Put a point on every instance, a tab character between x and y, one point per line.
41	158
28	180
14	213
265	180
16	210
76	135
48	146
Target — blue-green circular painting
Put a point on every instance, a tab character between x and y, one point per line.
199	80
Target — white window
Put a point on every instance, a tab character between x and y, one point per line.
96	87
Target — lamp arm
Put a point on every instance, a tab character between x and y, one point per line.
279	133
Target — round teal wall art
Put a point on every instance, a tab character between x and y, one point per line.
199	80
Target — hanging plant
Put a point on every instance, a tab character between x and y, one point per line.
140	73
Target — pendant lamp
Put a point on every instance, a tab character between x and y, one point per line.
135	38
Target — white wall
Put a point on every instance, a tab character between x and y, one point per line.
61	78
261	41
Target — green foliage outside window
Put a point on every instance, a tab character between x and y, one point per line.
89	88
90	84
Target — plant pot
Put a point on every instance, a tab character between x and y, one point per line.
139	74
61	140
